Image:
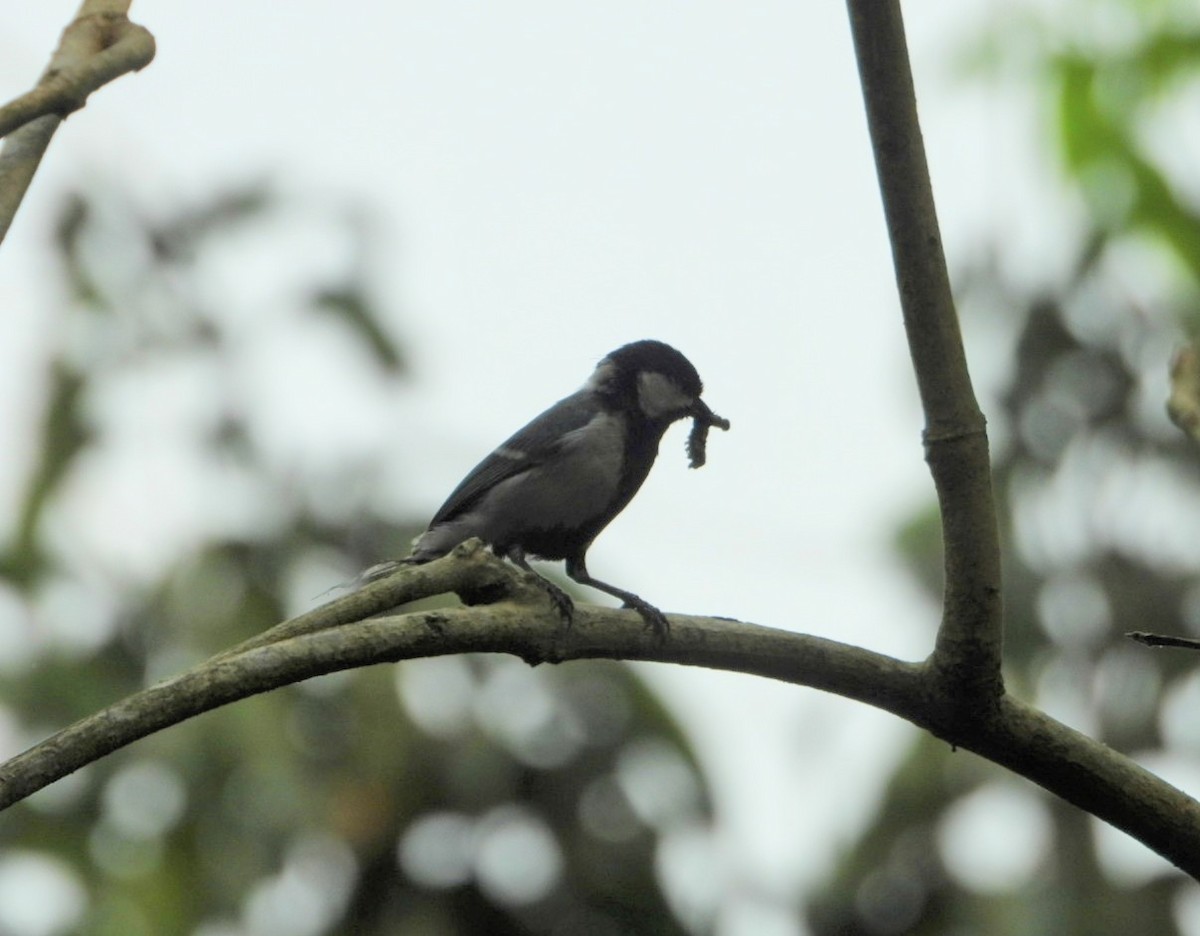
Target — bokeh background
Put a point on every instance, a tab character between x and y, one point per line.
270	298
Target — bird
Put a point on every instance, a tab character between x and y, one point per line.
553	486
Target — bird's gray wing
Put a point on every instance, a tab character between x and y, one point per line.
527	448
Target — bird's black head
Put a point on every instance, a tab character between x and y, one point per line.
649	378
656	357
654	381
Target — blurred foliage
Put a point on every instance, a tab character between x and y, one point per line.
1100	504
168	513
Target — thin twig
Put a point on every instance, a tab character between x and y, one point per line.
457	571
967	651
99	45
67	89
1163	640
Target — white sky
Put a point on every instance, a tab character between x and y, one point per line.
559	179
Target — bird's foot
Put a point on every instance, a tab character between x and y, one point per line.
562	601
655	620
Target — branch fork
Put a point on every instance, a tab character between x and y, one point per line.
98	46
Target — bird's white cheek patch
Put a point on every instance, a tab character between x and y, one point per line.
659	397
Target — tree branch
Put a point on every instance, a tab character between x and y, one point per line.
1164	640
441	576
99	45
522	621
968	646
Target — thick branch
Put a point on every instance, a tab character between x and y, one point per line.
533	632
523	622
99	45
969	640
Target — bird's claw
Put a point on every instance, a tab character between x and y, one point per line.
562	601
655	620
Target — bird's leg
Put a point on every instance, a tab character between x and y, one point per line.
655	619
562	601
